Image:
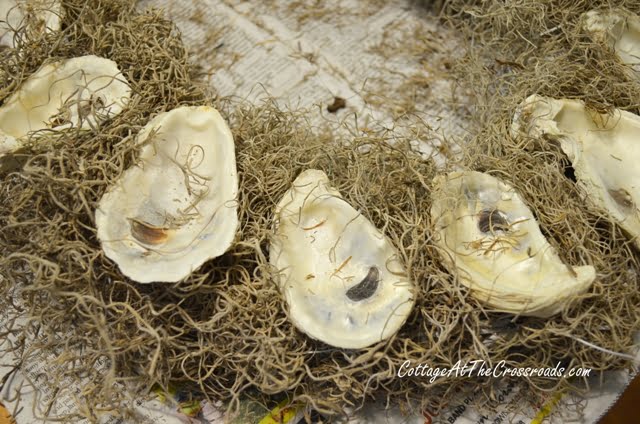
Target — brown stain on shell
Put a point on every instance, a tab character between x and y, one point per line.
148	234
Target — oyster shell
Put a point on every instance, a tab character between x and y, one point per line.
176	208
40	16
489	238
79	92
342	279
603	149
619	30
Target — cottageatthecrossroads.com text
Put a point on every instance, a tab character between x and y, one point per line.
479	368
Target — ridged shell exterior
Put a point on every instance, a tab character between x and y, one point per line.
177	207
342	278
489	238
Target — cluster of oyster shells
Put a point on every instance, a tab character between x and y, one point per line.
175	208
487	235
344	282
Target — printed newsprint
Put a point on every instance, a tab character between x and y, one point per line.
366	64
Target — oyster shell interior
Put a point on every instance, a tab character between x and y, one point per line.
489	238
603	150
619	30
75	93
177	207
342	279
40	16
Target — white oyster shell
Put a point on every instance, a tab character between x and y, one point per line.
176	208
41	16
342	279
604	150
490	239
74	93
619	30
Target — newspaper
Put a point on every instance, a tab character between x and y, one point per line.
355	65
388	61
